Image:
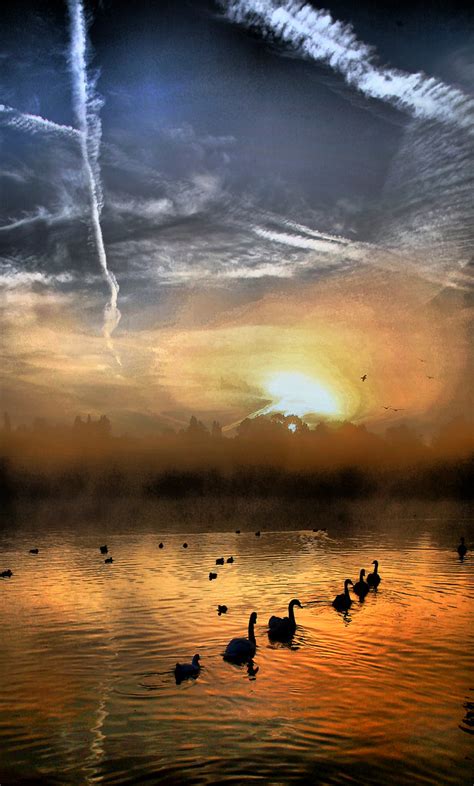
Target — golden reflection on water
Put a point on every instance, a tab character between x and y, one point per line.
376	695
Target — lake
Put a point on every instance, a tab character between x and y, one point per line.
381	695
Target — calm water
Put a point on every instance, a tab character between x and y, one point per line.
384	695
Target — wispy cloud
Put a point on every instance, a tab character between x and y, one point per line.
35	124
316	35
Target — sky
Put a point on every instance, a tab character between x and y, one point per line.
234	207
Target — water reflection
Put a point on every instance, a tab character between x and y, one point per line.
88	657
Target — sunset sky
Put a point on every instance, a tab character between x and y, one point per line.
287	206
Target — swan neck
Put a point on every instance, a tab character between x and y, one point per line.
251	632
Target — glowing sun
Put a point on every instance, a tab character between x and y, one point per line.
297	394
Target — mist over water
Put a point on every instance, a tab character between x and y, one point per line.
381	695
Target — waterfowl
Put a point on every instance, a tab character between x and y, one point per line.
361	588
237	531
34	551
462	549
183	671
258	534
229	560
185	545
221	609
242	649
343	602
108	560
373	579
220	561
103	549
284	627
161	546
212	576
5	574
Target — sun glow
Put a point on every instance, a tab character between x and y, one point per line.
297	394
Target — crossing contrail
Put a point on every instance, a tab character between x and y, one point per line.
316	35
87	106
34	124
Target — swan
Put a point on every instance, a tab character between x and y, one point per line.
220	561
373	579
462	549
183	671
103	549
242	649
343	602
284	627
361	588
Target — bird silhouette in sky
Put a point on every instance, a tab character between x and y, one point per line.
421	360
428	377
364	377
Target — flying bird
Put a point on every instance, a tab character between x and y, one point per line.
428	377
364	377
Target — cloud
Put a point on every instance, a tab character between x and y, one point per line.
315	35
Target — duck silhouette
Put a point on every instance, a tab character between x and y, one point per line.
108	561
103	549
284	627
34	551
185	671
221	609
229	560
220	561
462	549
212	576
243	649
373	579
161	545
361	588
343	602
6	574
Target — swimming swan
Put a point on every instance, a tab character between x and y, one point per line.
183	671
361	588
243	649
343	602
373	579
284	627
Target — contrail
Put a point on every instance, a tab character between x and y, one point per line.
87	105
35	124
314	34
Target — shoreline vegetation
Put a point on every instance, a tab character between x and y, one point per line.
275	458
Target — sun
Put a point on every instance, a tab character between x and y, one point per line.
297	394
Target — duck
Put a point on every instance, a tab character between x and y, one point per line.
109	560
34	551
103	549
161	545
6	574
373	579
212	576
237	531
361	588
343	602
229	560
462	549
258	533
241	649
185	545
220	561
221	609
184	671
284	627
